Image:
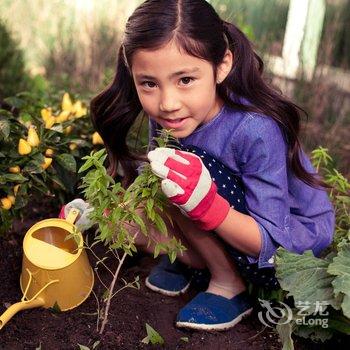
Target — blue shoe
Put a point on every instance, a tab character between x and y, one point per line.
169	279
208	311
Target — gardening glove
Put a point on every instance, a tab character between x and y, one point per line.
83	223
188	184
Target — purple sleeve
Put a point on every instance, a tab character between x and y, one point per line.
261	157
152	132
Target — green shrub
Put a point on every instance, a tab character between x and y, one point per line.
315	282
13	77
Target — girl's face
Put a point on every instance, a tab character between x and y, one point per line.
175	89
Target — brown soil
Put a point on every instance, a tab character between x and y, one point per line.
131	309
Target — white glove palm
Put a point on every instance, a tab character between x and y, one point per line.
83	222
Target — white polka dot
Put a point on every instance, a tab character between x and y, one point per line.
234	186
202	156
228	177
232	206
209	164
238	200
214	160
204	152
224	186
232	192
213	178
248	267
220	172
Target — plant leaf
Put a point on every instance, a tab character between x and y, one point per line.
14	178
83	347
305	278
160	224
5	128
67	161
316	334
285	333
153	336
95	344
340	267
55	308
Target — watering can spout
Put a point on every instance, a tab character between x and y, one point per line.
22	305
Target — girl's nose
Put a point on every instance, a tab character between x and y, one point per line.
169	102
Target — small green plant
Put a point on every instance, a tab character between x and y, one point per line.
321	285
339	194
152	337
118	213
84	347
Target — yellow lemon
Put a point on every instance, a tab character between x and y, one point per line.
14	169
47	163
24	147
12	199
68	129
79	110
6	203
46	113
72	146
15	189
50	122
76	106
66	102
33	138
96	139
49	152
62	117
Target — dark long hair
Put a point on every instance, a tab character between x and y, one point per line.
198	30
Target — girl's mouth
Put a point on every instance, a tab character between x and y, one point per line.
174	123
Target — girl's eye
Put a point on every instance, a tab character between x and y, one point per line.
151	84
186	80
148	84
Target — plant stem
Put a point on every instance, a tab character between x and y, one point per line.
111	289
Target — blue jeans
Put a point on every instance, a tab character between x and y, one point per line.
230	187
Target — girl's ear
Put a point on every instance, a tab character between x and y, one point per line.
224	67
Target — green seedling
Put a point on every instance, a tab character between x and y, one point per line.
152	337
120	215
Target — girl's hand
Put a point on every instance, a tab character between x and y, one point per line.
188	184
83	223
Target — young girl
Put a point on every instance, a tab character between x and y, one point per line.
240	186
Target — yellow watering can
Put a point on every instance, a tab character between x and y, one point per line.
55	270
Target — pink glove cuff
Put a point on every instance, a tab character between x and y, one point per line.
215	215
61	214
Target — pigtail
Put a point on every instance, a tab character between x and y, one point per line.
245	80
113	112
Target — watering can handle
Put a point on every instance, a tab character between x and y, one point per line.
35	301
22	305
72	215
